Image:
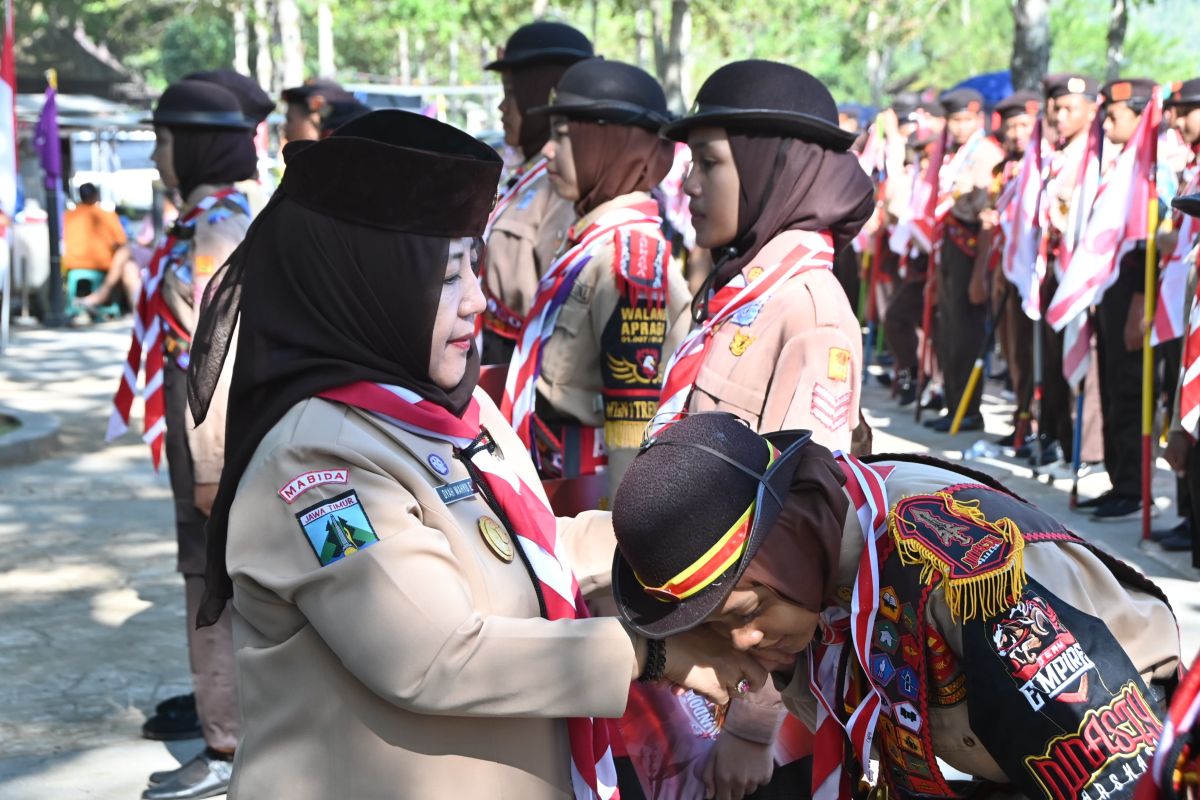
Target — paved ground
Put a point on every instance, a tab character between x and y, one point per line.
91	620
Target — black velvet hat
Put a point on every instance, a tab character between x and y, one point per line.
1184	93
608	91
1059	84
955	101
1022	102
1188	204
256	104
1134	91
412	173
543	43
199	104
767	97
672	569
341	111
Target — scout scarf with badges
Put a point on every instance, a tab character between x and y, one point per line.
499	318
1172	286
520	390
1086	719
527	519
738	301
153	318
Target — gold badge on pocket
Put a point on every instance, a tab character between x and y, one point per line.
740	343
497	539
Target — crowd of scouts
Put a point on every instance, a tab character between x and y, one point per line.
459	455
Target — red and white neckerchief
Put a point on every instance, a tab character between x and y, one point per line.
1189	381
520	180
520	388
1172	286
812	251
1165	769
865	485
593	774
152	317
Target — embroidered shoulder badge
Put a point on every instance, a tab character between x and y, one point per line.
337	527
318	477
979	562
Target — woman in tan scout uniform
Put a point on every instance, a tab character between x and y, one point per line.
407	618
775	195
585	376
530	220
934	612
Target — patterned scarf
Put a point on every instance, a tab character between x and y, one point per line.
520	390
152	316
528	519
741	294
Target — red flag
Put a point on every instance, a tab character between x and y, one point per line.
1023	259
8	118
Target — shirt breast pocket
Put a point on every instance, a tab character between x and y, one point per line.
563	351
718	392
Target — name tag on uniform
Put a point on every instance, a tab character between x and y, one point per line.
459	490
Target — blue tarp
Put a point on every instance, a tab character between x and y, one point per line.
994	86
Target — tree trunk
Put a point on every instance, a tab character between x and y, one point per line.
540	7
677	50
656	37
454	59
326	66
405	69
1031	42
290	43
639	38
1118	21
241	40
874	58
263	64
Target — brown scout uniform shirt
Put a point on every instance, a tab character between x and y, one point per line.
418	666
797	364
571	380
1143	625
524	241
212	244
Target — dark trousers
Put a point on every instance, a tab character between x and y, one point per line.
1054	417
1120	385
1192	478
210	649
902	321
1017	343
846	268
961	326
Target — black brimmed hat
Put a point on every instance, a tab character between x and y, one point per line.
1188	204
314	87
956	101
448	177
1060	84
341	111
681	547
767	97
543	43
597	90
1017	103
256	104
1184	93
1134	91
199	104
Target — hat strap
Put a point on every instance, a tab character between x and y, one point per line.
731	462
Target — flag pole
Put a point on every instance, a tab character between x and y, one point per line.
55	317
1150	289
989	341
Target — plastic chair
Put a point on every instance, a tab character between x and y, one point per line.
80	283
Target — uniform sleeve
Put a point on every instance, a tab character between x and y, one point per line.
590	545
820	376
399	612
215	242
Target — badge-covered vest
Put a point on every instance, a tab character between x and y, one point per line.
1050	693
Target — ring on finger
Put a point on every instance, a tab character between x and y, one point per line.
743	686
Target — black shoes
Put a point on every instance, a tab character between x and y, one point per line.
174	719
1184	528
206	775
1088	506
1051	453
906	392
1119	508
942	424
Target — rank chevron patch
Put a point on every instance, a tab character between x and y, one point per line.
831	409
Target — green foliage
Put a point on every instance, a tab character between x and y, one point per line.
203	40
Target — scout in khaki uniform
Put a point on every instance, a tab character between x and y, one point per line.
409	614
203	145
775	195
964	181
908	608
530	220
584	379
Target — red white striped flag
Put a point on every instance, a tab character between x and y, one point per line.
1189	382
1023	258
1118	215
8	119
1172	287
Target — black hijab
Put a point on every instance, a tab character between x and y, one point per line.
531	88
211	155
790	184
342	290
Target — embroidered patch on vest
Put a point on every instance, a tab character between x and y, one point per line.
979	562
302	483
839	364
337	527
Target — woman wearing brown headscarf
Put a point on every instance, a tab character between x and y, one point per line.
407	619
774	194
585	376
530	220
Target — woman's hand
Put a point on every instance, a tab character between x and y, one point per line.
1179	444
705	662
737	767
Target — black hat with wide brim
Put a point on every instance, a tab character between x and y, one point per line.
598	90
656	549
1187	204
765	97
199	104
543	42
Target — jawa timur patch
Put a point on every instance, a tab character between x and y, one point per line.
337	527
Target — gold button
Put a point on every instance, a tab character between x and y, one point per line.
497	539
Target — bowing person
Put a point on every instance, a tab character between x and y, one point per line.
408	613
